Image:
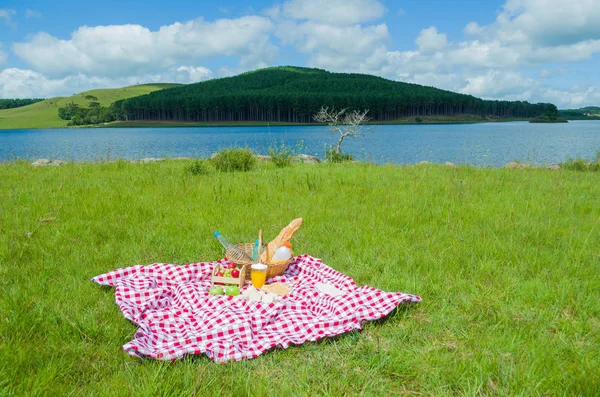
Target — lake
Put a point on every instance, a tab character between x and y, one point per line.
483	144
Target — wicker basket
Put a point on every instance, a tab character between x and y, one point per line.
274	268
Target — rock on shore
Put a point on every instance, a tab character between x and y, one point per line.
306	159
48	163
148	160
515	165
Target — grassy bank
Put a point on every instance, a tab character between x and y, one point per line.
506	261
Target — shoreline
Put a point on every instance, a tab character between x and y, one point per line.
432	120
407	121
427	120
299	159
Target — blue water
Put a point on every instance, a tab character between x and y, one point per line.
485	144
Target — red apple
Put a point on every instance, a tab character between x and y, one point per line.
235	273
219	274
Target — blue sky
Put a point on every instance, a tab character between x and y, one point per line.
535	50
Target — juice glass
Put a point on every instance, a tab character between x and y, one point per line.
259	275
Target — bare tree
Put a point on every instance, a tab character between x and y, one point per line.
346	124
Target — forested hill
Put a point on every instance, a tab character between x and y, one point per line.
17	103
294	94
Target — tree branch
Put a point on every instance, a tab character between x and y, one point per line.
342	123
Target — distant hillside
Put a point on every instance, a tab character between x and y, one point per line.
294	94
44	114
591	109
586	113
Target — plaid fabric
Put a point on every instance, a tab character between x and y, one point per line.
176	315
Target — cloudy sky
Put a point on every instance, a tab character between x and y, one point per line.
535	50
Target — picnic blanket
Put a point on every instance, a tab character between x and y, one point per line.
176	315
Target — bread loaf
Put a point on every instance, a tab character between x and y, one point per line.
284	236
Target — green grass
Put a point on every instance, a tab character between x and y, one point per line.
45	114
506	262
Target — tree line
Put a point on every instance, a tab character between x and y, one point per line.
95	114
293	94
17	103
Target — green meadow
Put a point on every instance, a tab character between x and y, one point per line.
506	261
44	114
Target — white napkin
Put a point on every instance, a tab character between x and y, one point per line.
253	295
329	289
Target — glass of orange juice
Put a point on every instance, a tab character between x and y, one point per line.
259	275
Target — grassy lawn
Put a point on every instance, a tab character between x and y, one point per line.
45	114
506	261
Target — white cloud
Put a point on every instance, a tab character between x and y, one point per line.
334	47
29	13
191	74
505	85
548	22
21	83
473	28
494	53
120	50
484	54
6	15
499	84
533	32
18	83
313	36
401	12
332	12
331	32
511	42
429	40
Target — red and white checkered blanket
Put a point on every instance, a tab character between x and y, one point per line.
176	315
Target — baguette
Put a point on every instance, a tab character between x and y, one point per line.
284	236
